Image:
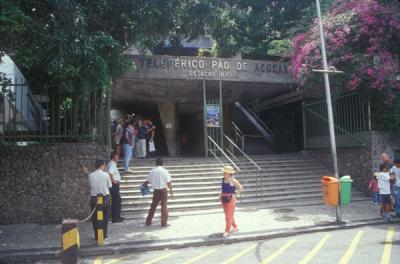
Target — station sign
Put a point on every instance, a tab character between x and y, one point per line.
199	68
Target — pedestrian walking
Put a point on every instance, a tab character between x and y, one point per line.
126	142
230	188
395	171
114	191
100	183
160	181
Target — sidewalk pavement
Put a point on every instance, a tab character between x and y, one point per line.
31	241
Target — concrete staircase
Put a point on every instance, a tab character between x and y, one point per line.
285	180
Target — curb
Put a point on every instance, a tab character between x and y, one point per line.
29	255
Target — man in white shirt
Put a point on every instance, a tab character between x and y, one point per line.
384	191
115	195
395	171
160	180
100	183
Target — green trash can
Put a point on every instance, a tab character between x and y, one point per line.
345	190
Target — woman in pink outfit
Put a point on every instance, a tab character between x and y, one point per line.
230	187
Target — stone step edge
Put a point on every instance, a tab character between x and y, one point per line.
247	201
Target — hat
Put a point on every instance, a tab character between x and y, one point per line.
396	161
228	169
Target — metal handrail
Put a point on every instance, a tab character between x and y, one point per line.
259	121
223	152
243	153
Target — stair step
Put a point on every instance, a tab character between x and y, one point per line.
135	188
216	192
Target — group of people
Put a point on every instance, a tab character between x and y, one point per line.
105	180
134	139
385	186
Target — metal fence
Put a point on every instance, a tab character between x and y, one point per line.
351	117
26	118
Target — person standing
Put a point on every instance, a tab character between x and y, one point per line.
100	183
395	171
160	180
133	131
151	130
388	164
384	190
114	191
141	136
230	188
126	141
118	135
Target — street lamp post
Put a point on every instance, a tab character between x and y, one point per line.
326	72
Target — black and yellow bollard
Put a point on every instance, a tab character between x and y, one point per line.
70	242
100	219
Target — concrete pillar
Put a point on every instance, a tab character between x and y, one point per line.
168	115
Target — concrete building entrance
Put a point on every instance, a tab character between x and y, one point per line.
170	91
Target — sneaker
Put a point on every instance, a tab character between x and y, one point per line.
166	225
235	229
225	234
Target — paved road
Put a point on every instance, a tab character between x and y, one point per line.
374	244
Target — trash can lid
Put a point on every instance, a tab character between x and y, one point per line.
345	178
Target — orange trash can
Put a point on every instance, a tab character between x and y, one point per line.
330	190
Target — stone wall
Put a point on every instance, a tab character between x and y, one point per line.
46	183
355	162
361	162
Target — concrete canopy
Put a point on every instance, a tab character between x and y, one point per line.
180	80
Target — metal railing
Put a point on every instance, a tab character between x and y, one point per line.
351	122
240	137
46	118
257	122
214	153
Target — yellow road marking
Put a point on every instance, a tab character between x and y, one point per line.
346	257
160	258
98	260
200	256
388	246
119	259
278	252
315	250
240	254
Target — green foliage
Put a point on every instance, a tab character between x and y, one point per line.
252	26
383	117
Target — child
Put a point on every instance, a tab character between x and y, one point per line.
384	191
395	171
373	186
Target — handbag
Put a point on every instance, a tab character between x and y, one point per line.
227	199
152	148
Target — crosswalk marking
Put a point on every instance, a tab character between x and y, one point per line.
240	254
346	258
388	246
200	256
278	252
160	258
315	250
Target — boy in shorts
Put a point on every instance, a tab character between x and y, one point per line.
384	191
